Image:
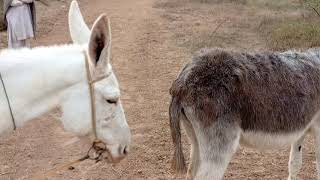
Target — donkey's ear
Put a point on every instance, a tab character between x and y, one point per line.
100	41
79	31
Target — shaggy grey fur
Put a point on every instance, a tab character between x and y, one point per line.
269	93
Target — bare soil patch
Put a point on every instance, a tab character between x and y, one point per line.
152	40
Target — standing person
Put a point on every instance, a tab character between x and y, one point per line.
20	18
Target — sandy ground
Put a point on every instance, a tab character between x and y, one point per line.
151	42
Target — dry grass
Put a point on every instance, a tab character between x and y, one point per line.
292	30
221	1
301	30
206	38
280	5
297	34
223	24
249	24
1	17
271	4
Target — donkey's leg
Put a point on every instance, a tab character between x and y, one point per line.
316	132
295	161
217	143
194	154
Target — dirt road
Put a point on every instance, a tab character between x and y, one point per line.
146	59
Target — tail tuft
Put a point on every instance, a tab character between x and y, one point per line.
178	161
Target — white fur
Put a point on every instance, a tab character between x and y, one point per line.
295	161
42	78
208	160
79	31
212	167
194	151
263	141
35	79
288	58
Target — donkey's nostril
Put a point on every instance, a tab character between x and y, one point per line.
125	150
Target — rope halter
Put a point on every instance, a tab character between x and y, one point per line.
92	95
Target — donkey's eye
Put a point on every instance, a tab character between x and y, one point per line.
112	101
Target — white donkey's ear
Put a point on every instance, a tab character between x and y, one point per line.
79	31
100	43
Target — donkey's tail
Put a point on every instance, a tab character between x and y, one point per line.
175	111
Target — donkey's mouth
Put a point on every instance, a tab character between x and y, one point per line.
108	157
113	160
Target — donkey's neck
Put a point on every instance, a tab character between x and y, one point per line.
36	78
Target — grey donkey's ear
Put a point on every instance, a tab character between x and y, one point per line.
100	42
79	31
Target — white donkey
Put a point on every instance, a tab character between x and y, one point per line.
39	79
262	100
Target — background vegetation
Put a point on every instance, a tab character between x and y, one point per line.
1	17
299	32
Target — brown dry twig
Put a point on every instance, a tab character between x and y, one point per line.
44	2
4	173
316	11
218	27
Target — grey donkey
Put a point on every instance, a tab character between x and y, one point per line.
263	100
